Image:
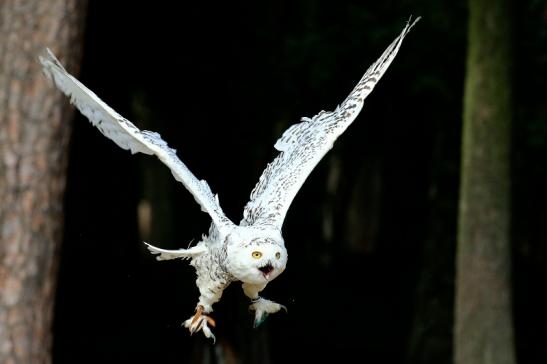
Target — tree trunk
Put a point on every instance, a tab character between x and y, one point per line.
483	320
34	132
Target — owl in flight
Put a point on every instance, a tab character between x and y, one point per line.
252	252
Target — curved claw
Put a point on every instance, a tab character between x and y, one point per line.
263	308
208	334
259	320
199	322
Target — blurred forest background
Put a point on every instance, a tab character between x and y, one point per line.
371	236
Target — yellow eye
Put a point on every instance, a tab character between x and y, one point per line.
257	255
277	255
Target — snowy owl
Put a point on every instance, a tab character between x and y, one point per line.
252	252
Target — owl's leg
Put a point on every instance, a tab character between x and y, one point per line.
261	306
210	293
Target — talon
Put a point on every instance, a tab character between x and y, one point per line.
263	318
196	328
208	334
199	322
211	321
199	311
263	308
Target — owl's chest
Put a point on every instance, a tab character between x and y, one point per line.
212	265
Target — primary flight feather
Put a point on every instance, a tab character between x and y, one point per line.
252	252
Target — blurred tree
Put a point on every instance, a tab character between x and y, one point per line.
34	132
483	320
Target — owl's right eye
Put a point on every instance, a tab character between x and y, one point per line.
256	255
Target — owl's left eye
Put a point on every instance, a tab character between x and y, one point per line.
277	255
256	255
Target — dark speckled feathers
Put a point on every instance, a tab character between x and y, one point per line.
303	145
129	137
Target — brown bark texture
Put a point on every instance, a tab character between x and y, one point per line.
34	133
483	314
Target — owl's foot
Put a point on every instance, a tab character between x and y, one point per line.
262	308
199	322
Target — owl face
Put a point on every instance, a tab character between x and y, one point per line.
257	262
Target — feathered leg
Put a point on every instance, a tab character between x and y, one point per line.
261	306
210	290
211	282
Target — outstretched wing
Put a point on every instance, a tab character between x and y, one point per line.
128	136
303	145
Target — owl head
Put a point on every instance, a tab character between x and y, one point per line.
257	261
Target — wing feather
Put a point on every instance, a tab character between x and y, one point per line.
126	135
303	145
164	254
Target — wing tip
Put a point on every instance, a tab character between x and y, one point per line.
409	25
48	59
51	67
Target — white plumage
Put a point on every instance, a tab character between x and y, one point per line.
253	252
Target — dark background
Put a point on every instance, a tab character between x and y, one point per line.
221	82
